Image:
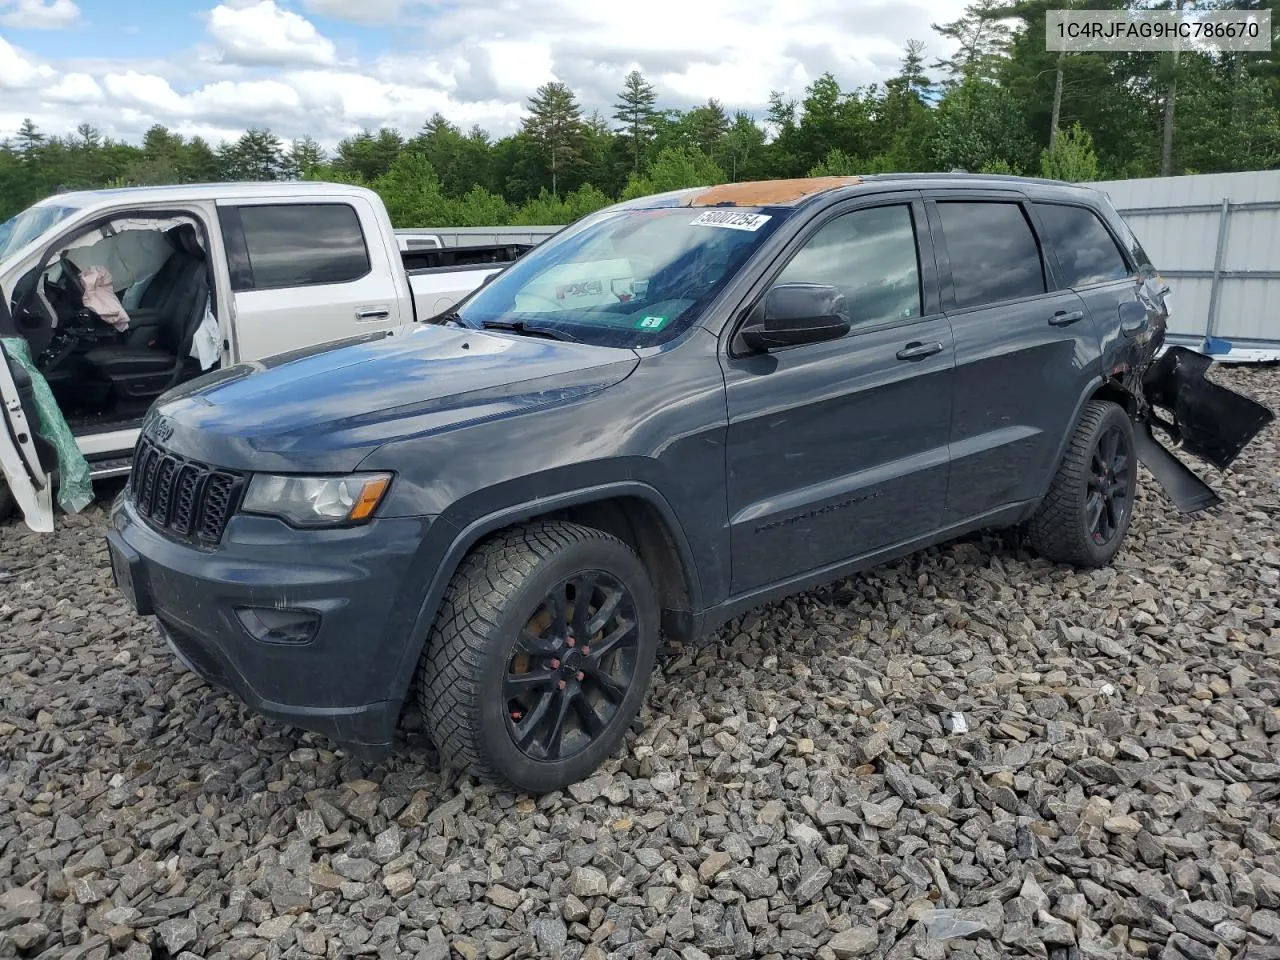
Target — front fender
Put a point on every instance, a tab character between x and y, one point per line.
452	543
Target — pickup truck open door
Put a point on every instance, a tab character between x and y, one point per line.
24	475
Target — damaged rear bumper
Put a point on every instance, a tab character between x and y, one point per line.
1205	419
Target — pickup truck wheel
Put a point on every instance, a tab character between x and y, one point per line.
1083	519
540	656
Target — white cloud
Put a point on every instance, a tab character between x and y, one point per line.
358	11
38	14
262	64
17	71
75	88
145	92
227	100
262	34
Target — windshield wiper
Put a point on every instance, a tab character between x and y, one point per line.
521	326
452	318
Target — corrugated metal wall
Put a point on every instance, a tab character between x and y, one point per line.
1216	239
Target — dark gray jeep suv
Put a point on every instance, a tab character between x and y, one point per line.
674	410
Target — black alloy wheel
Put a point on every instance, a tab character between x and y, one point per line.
574	662
1110	476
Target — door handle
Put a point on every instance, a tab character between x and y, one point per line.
1065	318
918	351
375	313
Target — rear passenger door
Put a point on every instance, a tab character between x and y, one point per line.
1021	351
305	273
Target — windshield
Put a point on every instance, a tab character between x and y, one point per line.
17	232
630	278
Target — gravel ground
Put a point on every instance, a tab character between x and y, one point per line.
795	790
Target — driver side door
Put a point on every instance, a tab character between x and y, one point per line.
839	450
25	470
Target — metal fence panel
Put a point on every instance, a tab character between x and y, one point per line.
1216	239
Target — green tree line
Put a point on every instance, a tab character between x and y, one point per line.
1000	103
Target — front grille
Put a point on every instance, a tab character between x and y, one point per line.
183	497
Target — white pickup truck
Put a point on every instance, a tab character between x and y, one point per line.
123	294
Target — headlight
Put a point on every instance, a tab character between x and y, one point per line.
316	501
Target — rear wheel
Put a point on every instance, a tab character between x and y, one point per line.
540	656
1086	514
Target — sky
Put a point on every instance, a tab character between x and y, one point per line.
329	68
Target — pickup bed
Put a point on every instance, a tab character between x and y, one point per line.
124	294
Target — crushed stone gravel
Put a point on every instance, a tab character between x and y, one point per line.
796	788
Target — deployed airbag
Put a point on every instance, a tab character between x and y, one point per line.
100	297
128	256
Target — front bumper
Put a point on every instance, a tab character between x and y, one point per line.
365	584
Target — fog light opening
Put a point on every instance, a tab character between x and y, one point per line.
273	625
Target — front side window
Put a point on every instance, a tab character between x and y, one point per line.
305	244
868	255
1085	249
628	277
993	252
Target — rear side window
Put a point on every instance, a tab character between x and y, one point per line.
302	245
993	252
1086	251
870	256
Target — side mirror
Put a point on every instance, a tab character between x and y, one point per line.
793	314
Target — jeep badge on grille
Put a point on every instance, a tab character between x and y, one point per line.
161	429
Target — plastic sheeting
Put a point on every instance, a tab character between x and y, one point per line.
206	344
75	489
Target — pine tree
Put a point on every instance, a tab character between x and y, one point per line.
911	78
305	156
744	147
1071	158
555	125
636	112
90	136
29	139
983	40
257	155
707	125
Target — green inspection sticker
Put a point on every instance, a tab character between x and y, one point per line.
651	323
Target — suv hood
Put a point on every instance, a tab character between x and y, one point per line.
326	408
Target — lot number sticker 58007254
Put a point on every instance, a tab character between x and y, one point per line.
730	219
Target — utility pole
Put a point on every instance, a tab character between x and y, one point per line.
1057	102
1166	148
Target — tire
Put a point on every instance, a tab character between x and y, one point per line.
501	667
1083	519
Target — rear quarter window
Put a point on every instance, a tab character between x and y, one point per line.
302	245
1084	247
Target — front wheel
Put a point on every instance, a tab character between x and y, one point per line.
540	656
1085	516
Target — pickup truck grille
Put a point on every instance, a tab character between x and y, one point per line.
186	498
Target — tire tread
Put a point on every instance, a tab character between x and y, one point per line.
449	671
1054	530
